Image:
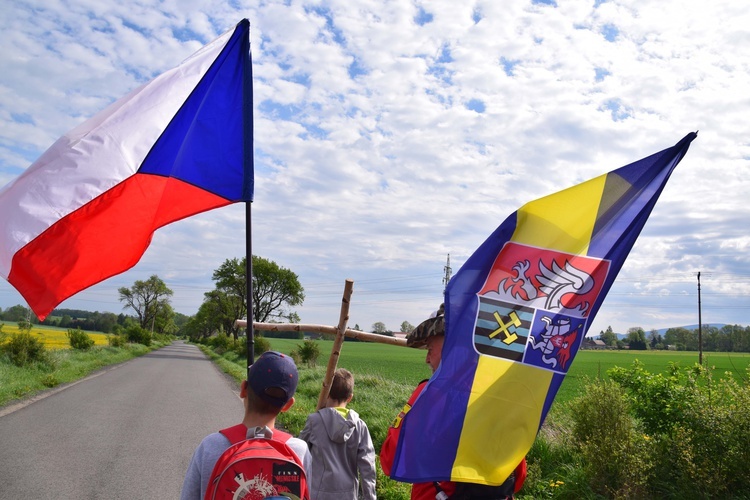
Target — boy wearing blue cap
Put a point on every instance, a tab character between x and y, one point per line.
268	391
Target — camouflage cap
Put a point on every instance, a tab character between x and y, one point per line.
427	328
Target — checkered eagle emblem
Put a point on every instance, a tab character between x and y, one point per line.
535	305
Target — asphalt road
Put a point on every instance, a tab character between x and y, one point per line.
127	432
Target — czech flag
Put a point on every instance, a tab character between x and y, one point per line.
516	314
177	146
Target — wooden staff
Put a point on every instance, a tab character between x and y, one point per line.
337	343
331	330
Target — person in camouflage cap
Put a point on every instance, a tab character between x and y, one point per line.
430	333
431	327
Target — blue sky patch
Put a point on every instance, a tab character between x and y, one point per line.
476	105
508	65
22	118
445	54
610	32
423	17
185	34
313	132
476	15
356	68
619	112
338	35
280	111
600	73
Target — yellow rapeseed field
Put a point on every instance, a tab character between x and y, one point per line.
54	338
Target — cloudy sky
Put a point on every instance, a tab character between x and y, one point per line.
392	134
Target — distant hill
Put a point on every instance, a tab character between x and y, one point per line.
662	331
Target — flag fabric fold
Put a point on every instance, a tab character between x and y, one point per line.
516	314
87	208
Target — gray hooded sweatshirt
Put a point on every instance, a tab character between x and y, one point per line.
339	447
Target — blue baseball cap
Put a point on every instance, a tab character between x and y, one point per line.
273	377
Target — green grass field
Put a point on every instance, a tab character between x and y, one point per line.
397	370
406	366
589	365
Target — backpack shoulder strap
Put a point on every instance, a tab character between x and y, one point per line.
235	434
281	436
238	433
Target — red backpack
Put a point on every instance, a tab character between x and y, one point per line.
257	468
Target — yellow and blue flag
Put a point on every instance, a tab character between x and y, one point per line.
516	314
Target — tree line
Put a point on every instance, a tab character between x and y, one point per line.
728	338
275	291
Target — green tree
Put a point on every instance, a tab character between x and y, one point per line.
380	328
65	321
679	337
219	312
203	324
230	295
655	340
637	339
274	289
406	327
16	313
164	320
608	337
148	299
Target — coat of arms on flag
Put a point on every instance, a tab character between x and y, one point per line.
535	304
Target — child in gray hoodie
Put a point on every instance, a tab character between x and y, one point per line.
340	444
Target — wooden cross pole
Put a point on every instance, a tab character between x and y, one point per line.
338	342
331	330
340	331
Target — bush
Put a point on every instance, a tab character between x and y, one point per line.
616	454
261	345
296	357
221	343
117	340
23	349
307	352
700	430
138	335
163	338
79	339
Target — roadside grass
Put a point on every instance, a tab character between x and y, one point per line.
60	365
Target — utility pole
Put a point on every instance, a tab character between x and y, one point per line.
447	270
700	325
